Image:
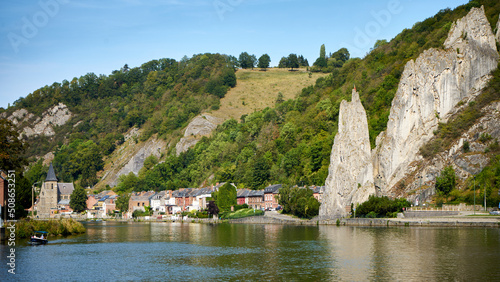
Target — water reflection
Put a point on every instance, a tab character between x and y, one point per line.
412	253
183	251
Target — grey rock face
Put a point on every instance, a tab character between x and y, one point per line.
134	161
200	126
430	88
56	116
465	164
350	175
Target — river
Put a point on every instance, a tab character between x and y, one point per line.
111	251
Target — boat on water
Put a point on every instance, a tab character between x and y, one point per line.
39	238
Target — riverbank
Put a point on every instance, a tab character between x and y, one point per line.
63	227
460	220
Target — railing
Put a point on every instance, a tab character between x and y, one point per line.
459	207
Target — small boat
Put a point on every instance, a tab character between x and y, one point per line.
39	238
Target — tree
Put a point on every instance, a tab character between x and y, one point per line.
293	61
322	51
299	202
321	61
260	173
11	147
90	163
446	181
212	208
246	60
283	63
303	62
12	162
226	197
341	55
78	201
264	61
122	202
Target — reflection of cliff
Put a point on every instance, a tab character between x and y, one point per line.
409	254
428	93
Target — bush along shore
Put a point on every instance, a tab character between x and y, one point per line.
62	227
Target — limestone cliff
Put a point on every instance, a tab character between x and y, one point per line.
130	156
429	89
350	174
30	125
200	126
465	163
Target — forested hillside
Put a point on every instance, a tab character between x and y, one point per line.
160	97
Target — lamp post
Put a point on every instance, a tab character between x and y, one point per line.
420	187
485	198
474	195
33	199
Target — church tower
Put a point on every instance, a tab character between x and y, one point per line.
48	194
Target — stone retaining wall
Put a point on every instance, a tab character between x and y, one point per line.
436	213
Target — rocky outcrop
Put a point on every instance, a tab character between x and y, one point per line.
466	163
429	89
350	175
20	116
200	126
56	116
130	156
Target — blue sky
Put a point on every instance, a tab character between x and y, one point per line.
47	41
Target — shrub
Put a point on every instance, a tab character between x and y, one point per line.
25	228
381	206
446	181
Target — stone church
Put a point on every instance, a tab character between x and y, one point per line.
54	196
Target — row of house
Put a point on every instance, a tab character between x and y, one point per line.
101	205
171	202
189	199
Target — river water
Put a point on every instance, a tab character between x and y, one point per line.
111	251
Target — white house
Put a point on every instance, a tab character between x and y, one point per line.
157	202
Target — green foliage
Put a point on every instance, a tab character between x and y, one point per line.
225	198
12	147
446	181
381	207
140	213
247	61
79	161
241	213
78	200
25	228
122	202
299	202
264	61
161	96
466	147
